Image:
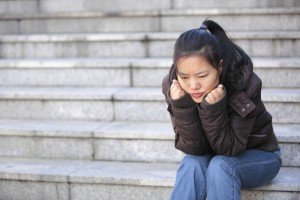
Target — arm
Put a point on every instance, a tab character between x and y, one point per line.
186	122
226	132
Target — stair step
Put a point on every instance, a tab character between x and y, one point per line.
182	4
125	72
150	20
109	104
111	180
139	45
54	6
111	141
266	19
106	72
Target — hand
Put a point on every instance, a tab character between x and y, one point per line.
176	92
215	95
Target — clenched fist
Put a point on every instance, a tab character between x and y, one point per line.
176	92
215	95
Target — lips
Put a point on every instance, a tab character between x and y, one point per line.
197	95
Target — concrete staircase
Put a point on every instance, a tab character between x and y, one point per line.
82	115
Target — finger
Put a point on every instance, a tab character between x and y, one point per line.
207	100
217	93
220	86
221	92
211	98
176	92
175	82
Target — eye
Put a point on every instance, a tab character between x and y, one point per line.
203	76
183	77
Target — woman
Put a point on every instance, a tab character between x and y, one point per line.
219	119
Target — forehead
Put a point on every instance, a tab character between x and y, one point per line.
193	64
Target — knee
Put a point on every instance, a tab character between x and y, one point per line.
219	167
195	163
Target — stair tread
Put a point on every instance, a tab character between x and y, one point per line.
288	133
267	62
122	93
95	172
137	36
157	13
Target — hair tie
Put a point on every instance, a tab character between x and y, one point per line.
203	26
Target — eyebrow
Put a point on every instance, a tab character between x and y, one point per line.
183	74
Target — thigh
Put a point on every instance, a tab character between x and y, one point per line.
253	167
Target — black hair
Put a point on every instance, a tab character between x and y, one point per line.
211	42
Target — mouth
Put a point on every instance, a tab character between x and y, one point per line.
197	95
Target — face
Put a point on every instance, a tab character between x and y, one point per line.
197	77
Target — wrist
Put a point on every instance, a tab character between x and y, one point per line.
185	101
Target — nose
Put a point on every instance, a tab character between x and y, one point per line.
194	84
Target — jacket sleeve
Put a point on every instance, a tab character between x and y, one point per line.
228	133
186	124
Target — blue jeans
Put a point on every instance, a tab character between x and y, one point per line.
222	177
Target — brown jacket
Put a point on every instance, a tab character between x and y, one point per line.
235	123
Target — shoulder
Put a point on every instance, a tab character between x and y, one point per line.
254	86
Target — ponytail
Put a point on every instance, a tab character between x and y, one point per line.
235	59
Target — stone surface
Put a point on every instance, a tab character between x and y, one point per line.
54	6
50	128
91	24
137	150
234	3
143	111
57	109
193	18
290	154
44	147
27	190
268	19
91	179
95	104
79	77
287	133
139	130
102	6
138	45
284	112
262	195
18	6
123	141
136	72
9	26
73	49
106	192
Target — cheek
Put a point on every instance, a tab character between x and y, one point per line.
182	84
215	82
211	83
